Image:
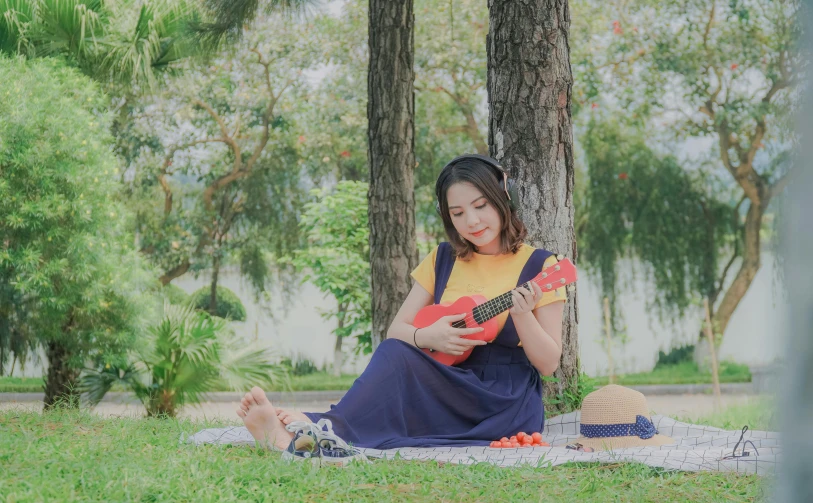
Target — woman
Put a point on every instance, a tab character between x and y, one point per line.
405	398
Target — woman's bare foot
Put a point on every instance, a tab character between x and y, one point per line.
288	416
260	418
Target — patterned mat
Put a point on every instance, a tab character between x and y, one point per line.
697	448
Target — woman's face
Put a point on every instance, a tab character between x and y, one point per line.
474	217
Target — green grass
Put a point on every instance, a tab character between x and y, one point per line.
310	382
20	384
682	373
76	456
758	414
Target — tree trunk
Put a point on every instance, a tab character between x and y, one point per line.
748	269
391	130
60	385
530	132
338	357
213	288
732	296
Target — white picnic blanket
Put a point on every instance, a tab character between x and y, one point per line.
697	448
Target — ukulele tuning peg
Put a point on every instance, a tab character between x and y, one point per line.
560	257
557	268
548	286
544	275
562	281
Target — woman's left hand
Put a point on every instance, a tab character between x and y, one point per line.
524	299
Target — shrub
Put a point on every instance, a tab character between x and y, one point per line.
228	304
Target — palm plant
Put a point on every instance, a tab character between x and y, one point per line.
123	41
187	354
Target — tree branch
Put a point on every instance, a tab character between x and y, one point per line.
779	185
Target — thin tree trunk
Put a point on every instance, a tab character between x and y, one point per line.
61	381
391	152
213	287
530	132
748	269
338	357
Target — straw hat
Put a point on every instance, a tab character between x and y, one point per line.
614	417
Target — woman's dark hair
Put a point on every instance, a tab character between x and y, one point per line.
485	179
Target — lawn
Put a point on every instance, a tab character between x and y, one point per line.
309	382
75	456
680	373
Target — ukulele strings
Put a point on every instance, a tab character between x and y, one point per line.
470	316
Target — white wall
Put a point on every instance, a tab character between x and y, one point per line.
753	335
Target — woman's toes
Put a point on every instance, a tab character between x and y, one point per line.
249	399
241	412
258	395
243	407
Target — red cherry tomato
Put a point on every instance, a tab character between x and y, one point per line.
506	444
521	436
515	444
526	440
495	443
513	439
504	439
536	436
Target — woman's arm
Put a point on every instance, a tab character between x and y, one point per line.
540	332
440	336
401	327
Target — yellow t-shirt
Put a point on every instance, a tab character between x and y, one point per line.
486	275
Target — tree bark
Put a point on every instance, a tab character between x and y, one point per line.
213	286
338	356
530	132
61	382
751	257
391	152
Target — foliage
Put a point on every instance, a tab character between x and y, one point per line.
573	395
214	158
675	356
299	366
91	451
124	41
336	260
175	295
228	305
720	74
184	356
450	100
642	204
67	271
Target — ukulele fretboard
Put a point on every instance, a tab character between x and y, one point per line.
495	306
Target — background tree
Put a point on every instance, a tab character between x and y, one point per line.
721	71
391	154
530	133
336	260
217	178
65	258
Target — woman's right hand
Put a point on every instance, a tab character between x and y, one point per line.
442	336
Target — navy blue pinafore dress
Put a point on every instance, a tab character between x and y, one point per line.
404	398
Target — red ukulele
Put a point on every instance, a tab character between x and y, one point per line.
481	312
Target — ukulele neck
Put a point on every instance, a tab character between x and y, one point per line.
495	306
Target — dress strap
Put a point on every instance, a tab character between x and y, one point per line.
444	262
533	266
